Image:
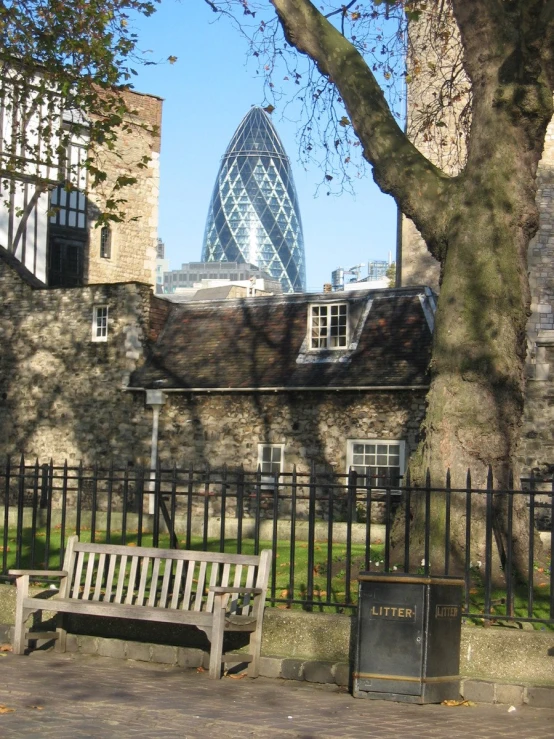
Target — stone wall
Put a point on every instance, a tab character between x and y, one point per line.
133	247
61	394
218	428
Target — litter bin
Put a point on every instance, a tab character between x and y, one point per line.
409	629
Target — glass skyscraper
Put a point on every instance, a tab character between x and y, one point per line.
254	215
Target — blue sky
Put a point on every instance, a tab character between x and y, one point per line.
207	93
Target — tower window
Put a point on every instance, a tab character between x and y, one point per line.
106	242
100	323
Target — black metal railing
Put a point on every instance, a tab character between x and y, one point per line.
323	528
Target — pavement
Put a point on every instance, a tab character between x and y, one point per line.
71	696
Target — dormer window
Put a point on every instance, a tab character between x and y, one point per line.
328	327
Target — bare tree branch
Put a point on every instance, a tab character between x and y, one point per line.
399	168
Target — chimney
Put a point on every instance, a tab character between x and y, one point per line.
327	287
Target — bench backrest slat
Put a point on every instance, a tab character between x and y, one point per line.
236	582
160	578
110	579
200	586
177	584
121	579
188	585
88	578
165	583
99	577
143	578
213	581
78	573
131	589
154	582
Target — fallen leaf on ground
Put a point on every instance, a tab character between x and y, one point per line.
37	708
234	675
200	669
458	703
5	709
6	647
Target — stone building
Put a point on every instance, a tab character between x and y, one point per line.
280	380
437	134
48	211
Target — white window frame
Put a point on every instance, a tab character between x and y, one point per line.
100	319
269	476
328	338
350	461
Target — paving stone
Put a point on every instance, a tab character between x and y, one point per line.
480	691
138	651
271	667
540	697
292	669
95	697
316	671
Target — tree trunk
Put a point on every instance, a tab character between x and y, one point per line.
477	225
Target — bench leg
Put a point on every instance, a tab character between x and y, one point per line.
21	614
62	633
255	646
216	651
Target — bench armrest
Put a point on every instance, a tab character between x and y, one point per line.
39	573
231	589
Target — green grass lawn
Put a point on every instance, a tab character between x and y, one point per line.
328	587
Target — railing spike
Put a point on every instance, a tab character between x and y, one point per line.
448	478
490	480
468	479
428	478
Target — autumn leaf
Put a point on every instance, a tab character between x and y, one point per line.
6	648
5	709
172	59
269	109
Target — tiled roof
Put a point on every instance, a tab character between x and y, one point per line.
255	343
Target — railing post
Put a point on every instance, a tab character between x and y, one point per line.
350	510
427	564
447	524
488	542
20	511
7	479
311	535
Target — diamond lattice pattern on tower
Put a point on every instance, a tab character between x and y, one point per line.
254	215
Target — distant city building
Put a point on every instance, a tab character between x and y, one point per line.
192	274
253	215
162	266
349	278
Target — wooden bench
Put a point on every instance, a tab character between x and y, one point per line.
212	591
